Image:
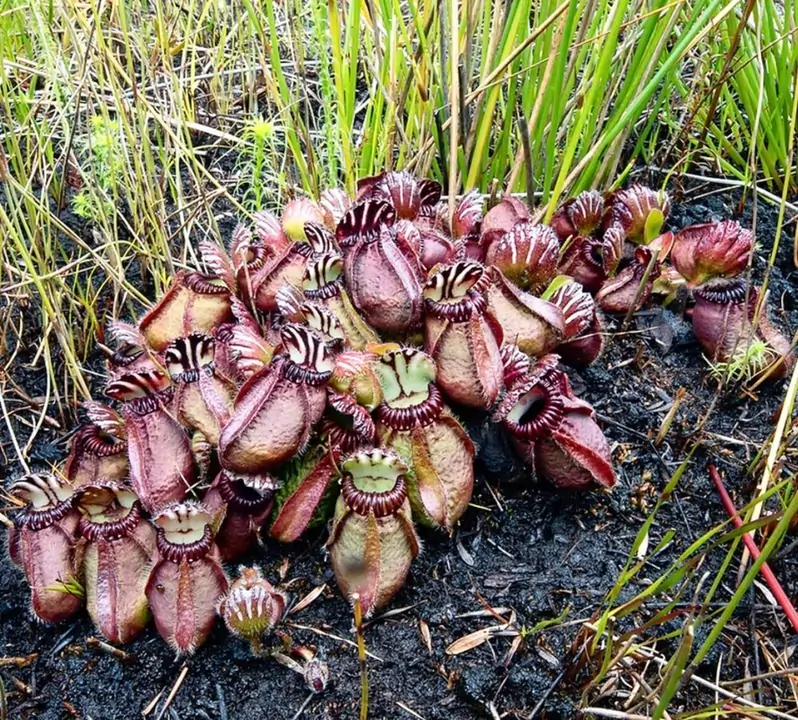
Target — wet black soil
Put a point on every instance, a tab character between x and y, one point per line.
523	547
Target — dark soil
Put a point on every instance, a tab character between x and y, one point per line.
523	546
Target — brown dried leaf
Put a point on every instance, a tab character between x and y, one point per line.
425	634
472	640
516	643
73	176
18	662
548	658
288	662
308	599
493	612
284	566
465	556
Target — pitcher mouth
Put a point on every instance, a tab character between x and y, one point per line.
410	396
405	418
306	358
474	303
380	504
141	392
188	357
184	532
47	498
723	292
108	512
330	290
364	221
374	483
303	375
323	277
252	493
205	284
349	426
126	355
95	442
456	291
537	411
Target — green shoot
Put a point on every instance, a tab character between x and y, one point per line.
747	363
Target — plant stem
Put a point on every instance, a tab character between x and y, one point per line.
454	100
767	573
361	652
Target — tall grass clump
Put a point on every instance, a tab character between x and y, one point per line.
736	103
129	129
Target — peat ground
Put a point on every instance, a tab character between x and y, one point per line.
523	546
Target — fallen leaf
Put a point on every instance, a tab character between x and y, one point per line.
465	556
470	641
425	634
308	599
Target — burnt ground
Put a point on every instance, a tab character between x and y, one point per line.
523	546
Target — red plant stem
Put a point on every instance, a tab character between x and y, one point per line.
767	573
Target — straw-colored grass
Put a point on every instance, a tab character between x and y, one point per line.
131	130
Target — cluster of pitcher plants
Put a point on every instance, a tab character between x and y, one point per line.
311	373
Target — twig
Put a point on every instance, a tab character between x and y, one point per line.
454	100
361	652
739	699
64	640
151	705
767	573
530	179
547	693
763	676
303	707
312	629
18	662
307	600
409	710
692	677
639	293
727	182
173	691
773	452
11	433
603	712
119	654
222	703
391	613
